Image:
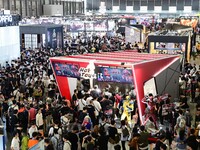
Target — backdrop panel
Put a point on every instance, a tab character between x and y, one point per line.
9	43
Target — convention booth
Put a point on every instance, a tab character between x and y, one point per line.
37	35
175	39
148	73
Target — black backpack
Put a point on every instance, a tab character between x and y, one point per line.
11	111
102	128
90	146
125	132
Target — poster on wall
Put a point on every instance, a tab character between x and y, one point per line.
101	25
68	70
76	26
120	75
54	37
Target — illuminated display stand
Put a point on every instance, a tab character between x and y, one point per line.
137	69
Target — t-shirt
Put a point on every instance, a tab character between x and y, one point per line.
112	131
32	142
24	144
15	143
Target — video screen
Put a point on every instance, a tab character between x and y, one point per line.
68	70
120	75
168	46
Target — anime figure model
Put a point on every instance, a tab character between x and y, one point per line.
128	107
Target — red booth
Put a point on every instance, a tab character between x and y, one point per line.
120	68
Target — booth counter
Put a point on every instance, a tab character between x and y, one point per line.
119	69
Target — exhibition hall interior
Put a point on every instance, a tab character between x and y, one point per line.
99	75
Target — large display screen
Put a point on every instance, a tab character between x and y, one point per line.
54	37
68	70
168	46
121	75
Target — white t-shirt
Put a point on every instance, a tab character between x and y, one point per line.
67	145
81	104
88	100
31	130
15	143
97	107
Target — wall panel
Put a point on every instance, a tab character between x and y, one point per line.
136	5
150	5
180	5
165	4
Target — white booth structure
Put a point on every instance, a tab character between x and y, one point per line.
9	44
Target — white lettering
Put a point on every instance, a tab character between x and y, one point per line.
6	18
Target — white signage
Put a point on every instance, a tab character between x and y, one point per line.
88	72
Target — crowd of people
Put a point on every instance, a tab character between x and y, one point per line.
33	111
95	44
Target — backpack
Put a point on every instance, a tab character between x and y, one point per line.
182	123
11	111
59	145
125	132
188	120
102	128
90	146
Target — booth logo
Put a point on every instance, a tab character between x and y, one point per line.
6	18
87	73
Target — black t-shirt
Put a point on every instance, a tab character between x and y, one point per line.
81	117
65	110
82	135
112	132
103	142
184	100
106	104
5	107
49	147
91	110
73	138
14	121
